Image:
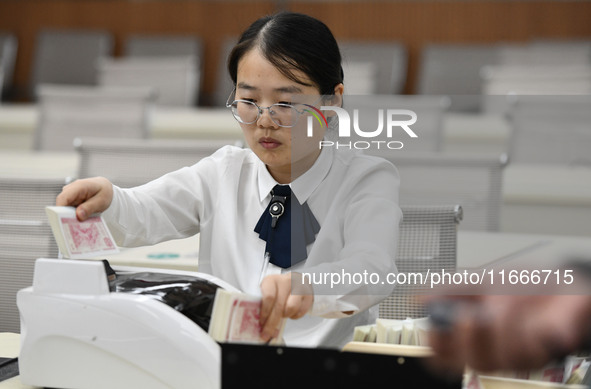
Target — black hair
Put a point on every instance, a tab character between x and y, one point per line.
293	42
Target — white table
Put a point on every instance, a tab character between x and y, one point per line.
9	348
38	164
484	249
547	199
18	123
475	249
536	199
181	254
461	132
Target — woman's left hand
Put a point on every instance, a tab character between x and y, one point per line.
279	301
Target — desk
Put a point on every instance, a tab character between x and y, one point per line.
483	249
475	249
38	164
536	198
475	133
9	348
461	132
18	123
181	254
547	199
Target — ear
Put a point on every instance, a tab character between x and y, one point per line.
337	98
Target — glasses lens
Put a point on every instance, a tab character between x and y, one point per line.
245	111
283	114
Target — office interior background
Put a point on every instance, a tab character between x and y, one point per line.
517	192
414	24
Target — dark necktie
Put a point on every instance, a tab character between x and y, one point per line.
287	227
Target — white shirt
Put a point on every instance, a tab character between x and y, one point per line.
354	198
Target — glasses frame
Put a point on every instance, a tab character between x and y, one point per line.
260	110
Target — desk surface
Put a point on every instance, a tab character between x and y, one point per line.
485	249
475	250
181	254
37	164
165	122
9	348
462	132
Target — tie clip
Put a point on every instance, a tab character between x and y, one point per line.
276	209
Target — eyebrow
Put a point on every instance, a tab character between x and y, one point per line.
284	89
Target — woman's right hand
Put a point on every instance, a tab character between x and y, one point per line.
89	196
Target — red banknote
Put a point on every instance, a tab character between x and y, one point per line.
80	239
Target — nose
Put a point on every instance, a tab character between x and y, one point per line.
264	120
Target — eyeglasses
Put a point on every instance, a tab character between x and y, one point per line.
248	112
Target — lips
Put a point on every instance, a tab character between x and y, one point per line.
269	143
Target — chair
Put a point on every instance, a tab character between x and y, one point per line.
174	79
135	162
163	46
542	80
159	46
374	67
8	48
550	129
473	181
454	70
224	85
25	235
68	57
546	53
67	112
428	127
427	243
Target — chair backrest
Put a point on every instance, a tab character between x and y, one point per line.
134	162
550	130
8	49
1	80
67	112
546	53
224	85
427	243
68	57
175	80
373	67
471	180
25	235
163	46
168	46
542	80
454	70
428	127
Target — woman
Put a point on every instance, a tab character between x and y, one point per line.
280	67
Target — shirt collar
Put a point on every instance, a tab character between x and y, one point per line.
266	181
304	185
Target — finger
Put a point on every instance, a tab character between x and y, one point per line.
292	306
271	327
447	357
298	306
269	293
89	196
478	341
89	207
72	194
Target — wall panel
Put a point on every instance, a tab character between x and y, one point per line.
415	23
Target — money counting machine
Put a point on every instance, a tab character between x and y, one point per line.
85	325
